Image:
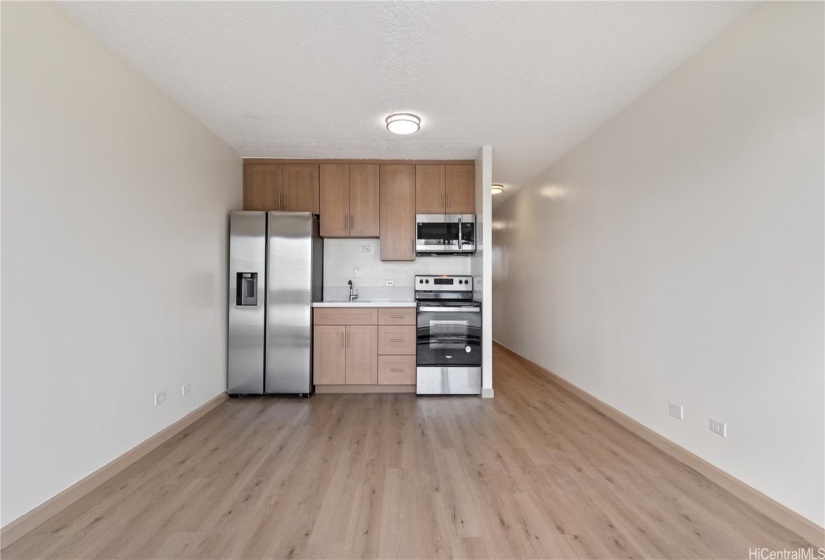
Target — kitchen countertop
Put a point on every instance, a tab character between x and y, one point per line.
366	303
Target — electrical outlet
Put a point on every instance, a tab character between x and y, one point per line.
718	427
160	398
366	248
389	282
677	411
185	388
356	272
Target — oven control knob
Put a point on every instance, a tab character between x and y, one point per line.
420	281
467	349
428	281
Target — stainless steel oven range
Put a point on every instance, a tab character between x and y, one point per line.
448	336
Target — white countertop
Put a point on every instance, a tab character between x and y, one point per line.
366	303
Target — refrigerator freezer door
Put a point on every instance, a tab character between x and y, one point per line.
291	245
247	254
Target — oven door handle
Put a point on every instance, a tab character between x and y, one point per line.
450	309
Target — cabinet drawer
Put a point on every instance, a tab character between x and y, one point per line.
346	316
396	370
396	340
396	316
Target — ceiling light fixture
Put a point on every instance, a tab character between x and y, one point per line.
496	188
403	123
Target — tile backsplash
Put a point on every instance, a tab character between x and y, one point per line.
341	256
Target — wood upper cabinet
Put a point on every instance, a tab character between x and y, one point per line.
362	354
263	187
329	355
335	197
301	188
397	212
445	189
349	200
460	187
363	200
430	194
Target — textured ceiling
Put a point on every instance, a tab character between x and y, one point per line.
312	79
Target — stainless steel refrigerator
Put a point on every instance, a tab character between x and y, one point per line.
275	273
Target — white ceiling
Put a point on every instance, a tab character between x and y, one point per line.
316	79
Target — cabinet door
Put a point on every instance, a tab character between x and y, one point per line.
461	189
397	204
362	355
329	355
262	187
363	200
301	188
335	195
397	340
430	195
396	370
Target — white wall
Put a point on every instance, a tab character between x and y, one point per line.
341	256
482	264
114	228
677	255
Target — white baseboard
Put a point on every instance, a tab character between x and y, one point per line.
800	525
51	507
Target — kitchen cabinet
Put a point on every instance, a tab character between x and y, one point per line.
460	187
364	349
362	355
349	200
397	212
301	188
396	346
345	346
263	187
445	189
282	187
430	193
329	355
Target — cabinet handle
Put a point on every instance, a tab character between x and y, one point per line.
396	340
279	201
347	340
396	316
342	340
448	201
397	370
351	222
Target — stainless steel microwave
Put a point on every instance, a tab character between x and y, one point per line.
445	234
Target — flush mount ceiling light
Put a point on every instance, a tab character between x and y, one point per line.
403	123
496	188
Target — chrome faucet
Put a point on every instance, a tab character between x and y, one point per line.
353	293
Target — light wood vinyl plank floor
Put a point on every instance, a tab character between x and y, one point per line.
533	473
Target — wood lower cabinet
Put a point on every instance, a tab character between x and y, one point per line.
352	351
349	200
396	339
396	370
362	355
397	212
329	355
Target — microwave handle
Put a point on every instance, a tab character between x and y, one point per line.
460	240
